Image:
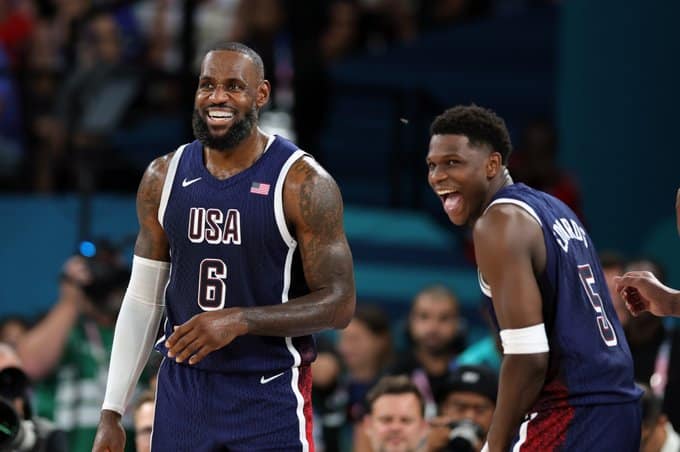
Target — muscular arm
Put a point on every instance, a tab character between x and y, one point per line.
509	249
313	210
151	240
138	320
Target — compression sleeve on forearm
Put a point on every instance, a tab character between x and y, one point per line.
136	329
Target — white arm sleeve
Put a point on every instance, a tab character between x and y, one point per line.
136	329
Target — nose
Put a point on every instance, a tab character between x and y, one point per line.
437	174
219	94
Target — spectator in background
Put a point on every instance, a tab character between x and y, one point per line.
143	418
90	106
11	142
657	433
67	352
395	419
365	348
534	163
469	395
437	335
36	433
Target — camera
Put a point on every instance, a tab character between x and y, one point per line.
464	436
17	431
107	273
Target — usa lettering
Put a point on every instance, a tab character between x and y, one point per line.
214	226
565	230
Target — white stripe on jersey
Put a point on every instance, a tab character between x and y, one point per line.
167	185
530	210
287	237
523	432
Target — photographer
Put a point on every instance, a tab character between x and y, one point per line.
19	430
465	410
68	351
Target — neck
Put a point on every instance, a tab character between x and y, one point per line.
228	162
501	180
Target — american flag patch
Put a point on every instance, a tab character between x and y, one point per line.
259	188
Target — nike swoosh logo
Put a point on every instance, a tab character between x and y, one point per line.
186	183
264	381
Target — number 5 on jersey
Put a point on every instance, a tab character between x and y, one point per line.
212	289
603	323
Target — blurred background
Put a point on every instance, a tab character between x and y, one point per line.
92	90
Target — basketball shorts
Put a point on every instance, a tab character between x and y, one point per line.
614	427
201	411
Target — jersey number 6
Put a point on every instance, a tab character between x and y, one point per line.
588	281
211	286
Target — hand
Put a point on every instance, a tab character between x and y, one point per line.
204	333
643	292
110	433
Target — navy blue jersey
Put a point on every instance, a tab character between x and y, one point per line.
590	362
230	246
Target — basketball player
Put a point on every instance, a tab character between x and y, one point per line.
566	380
643	292
246	231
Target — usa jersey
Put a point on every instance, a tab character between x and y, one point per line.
589	358
230	246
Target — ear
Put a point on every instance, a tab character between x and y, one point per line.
494	165
262	95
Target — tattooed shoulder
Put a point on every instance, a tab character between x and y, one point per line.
151	186
315	196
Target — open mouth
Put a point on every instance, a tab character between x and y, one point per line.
451	199
220	116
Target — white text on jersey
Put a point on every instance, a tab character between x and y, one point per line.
566	229
214	227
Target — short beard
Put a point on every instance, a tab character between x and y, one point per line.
238	131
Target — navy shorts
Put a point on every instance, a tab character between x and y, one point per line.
201	411
613	427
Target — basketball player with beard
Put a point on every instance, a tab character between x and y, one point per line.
241	242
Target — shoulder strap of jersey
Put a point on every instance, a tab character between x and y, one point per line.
167	185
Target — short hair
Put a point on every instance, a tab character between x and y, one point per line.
439	291
394	385
480	125
244	50
145	397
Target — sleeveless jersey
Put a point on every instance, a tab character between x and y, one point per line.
230	246
589	358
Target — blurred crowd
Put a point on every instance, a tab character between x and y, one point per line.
430	364
91	90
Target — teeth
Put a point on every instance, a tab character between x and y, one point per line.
444	192
220	115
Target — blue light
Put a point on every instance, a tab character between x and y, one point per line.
87	248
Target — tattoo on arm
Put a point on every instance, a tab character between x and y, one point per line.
151	241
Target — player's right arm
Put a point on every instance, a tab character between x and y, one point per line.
141	310
510	251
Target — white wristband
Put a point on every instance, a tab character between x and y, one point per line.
523	341
136	329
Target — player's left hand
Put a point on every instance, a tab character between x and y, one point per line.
204	333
